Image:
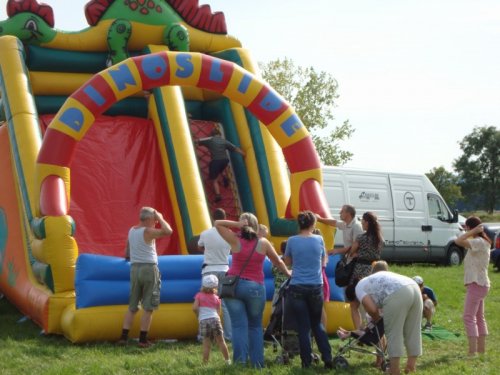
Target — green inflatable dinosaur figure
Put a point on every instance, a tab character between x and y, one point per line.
119	26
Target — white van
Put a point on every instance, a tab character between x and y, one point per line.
417	224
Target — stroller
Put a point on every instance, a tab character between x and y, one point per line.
368	343
282	328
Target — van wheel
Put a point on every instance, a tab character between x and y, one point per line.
454	257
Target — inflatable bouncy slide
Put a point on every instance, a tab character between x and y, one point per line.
95	124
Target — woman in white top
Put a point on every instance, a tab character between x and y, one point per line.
400	300
477	283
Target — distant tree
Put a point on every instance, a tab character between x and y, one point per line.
479	167
447	185
312	94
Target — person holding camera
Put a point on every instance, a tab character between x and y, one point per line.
145	280
246	308
477	283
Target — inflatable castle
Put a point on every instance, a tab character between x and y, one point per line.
96	123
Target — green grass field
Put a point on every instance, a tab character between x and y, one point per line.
23	350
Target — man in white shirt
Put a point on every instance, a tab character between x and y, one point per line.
350	227
216	261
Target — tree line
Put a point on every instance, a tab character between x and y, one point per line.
473	183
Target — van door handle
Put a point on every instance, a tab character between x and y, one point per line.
426	228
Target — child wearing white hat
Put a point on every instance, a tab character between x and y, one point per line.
207	306
430	301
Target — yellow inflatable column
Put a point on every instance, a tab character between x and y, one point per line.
22	118
191	196
274	154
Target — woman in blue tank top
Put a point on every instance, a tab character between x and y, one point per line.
306	254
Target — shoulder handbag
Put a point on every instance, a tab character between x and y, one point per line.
229	282
344	270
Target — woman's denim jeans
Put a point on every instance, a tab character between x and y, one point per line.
307	304
246	321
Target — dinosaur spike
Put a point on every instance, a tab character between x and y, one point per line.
187	9
32	6
218	23
200	17
95	9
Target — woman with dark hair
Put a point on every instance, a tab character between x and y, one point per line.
366	249
305	252
247	308
476	281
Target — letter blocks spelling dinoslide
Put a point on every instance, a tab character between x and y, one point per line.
95	124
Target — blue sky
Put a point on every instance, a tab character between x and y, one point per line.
415	76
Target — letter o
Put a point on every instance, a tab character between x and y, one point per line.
154	66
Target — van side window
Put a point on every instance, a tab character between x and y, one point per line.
437	208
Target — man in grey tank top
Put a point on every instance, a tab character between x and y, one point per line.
217	147
145	280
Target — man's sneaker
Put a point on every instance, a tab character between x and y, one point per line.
145	344
428	326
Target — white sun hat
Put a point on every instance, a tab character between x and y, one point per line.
418	280
210	281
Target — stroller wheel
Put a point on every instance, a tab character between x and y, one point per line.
340	363
283	359
384	366
286	359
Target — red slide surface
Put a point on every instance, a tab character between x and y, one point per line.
116	170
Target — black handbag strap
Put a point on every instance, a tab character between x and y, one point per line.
248	259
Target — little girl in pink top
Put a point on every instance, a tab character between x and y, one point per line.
207	306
